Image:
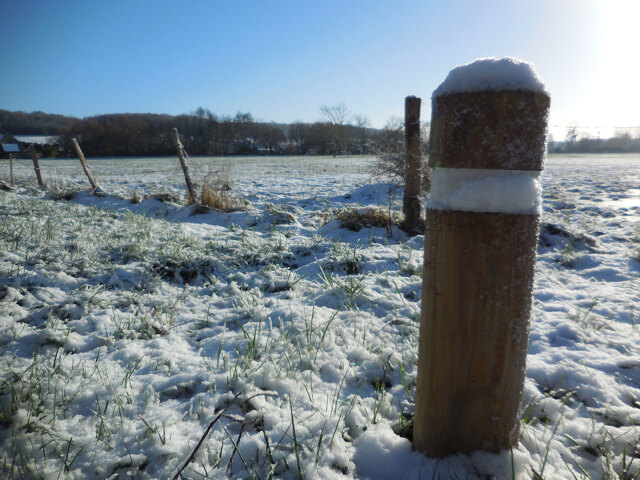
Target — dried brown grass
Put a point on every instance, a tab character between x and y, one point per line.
357	218
216	192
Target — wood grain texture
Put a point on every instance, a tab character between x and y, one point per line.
412	205
498	130
185	168
476	303
83	161
36	166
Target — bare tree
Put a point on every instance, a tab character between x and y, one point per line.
572	134
298	133
337	118
362	123
337	114
389	148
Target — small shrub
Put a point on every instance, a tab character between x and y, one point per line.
281	214
389	149
58	191
356	218
216	192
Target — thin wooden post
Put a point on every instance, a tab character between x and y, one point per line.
183	163
412	205
478	265
36	166
11	178
83	161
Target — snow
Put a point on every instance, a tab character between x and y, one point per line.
379	452
486	190
492	74
113	364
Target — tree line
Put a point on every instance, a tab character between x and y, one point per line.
623	141
202	132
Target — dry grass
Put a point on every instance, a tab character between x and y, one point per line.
60	191
216	192
164	197
357	218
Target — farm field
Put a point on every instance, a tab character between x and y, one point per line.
126	328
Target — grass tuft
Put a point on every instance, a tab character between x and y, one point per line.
356	218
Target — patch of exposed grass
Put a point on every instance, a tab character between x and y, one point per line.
216	193
356	218
59	191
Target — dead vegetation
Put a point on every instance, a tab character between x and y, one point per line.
216	193
389	149
164	197
61	191
356	218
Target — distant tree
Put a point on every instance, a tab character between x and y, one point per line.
298	133
572	134
337	114
270	136
34	123
361	123
319	137
245	133
337	117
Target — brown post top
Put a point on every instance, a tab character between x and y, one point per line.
479	263
489	130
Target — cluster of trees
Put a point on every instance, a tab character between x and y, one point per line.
202	133
34	123
623	141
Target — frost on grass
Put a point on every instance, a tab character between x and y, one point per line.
125	329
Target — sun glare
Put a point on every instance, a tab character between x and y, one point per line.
619	69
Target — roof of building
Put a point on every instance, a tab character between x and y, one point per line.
9	147
38	139
8	138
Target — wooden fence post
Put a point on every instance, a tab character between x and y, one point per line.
92	181
487	149
412	205
36	166
183	163
11	178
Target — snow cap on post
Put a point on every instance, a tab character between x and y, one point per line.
480	101
488	132
492	75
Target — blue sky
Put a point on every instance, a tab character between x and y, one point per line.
282	60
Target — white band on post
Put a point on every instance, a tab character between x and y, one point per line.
486	190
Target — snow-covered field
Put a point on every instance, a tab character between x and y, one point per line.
126	328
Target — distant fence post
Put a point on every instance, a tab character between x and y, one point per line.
487	149
11	178
412	205
183	163
92	181
36	166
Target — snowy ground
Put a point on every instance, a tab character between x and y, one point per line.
125	329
